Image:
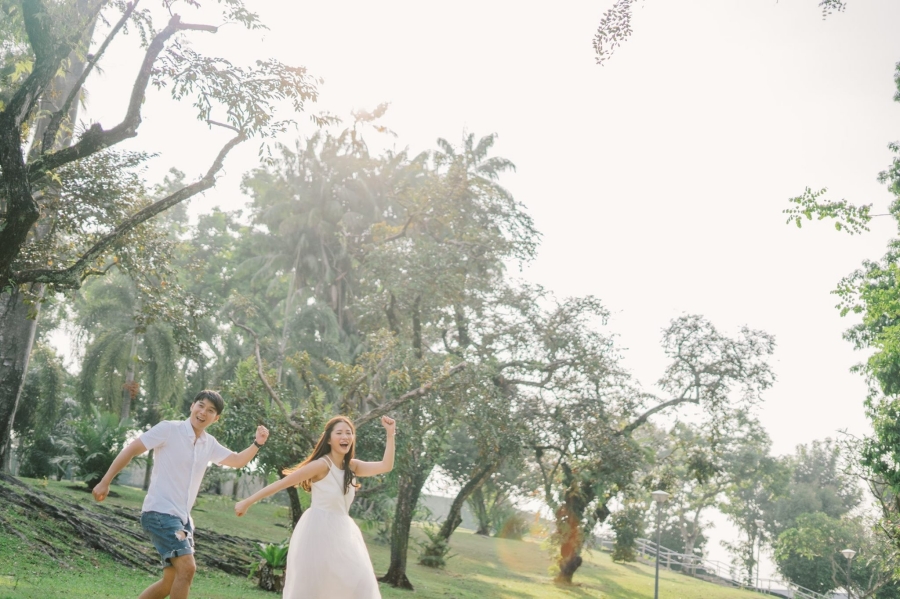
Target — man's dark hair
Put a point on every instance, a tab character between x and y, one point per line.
213	397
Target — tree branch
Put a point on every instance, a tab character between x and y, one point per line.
71	277
22	209
269	390
396	403
96	138
57	118
643	417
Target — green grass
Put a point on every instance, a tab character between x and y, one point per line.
483	568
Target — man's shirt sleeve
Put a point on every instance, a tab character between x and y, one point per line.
158	435
219	453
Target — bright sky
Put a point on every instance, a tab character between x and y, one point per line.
657	180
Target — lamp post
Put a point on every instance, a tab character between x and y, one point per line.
759	525
660	497
848	553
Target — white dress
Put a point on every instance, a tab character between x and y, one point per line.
327	557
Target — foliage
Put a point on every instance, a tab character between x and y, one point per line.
614	29
583	440
759	479
92	443
615	26
696	465
819	483
242	97
118	341
436	551
271	565
273	555
510	523
628	525
44	410
847	217
809	555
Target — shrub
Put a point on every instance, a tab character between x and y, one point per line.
91	445
628	524
436	551
515	526
269	569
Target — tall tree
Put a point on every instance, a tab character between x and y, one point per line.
45	35
586	454
698	465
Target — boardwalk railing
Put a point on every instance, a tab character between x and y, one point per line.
697	566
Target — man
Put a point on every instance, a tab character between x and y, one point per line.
183	450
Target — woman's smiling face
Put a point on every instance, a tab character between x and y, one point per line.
341	439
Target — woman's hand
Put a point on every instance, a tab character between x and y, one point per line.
241	507
389	425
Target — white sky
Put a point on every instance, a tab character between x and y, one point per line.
657	180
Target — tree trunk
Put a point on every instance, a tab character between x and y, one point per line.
569	524
128	389
407	497
454	517
481	512
16	340
296	508
17	331
148	470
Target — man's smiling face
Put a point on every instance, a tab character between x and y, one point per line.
203	413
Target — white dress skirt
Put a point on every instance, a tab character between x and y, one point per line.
327	557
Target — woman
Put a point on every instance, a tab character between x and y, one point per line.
327	555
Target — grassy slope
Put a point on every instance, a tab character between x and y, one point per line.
483	568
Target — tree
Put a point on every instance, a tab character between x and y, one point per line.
45	35
808	554
696	467
819	483
585	450
46	406
430	277
126	358
759	479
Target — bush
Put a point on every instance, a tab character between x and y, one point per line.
515	526
628	524
91	445
436	551
269	569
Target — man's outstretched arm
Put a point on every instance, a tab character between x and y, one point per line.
239	460
134	449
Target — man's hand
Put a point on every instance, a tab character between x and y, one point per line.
389	425
101	490
262	434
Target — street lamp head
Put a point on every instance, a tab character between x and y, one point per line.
659	497
848	553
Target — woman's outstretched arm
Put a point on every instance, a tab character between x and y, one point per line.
314	469
386	464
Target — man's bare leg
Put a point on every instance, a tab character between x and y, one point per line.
161	588
184	567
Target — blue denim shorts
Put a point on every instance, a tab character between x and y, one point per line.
170	536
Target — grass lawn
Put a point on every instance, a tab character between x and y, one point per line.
483	568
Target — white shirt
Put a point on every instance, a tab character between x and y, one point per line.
179	464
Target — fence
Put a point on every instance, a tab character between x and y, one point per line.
712	570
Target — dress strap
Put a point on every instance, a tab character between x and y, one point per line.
327	459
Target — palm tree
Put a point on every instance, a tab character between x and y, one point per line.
124	358
311	213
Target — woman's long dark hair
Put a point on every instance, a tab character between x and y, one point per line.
323	447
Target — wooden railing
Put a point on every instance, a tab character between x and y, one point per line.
700	567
